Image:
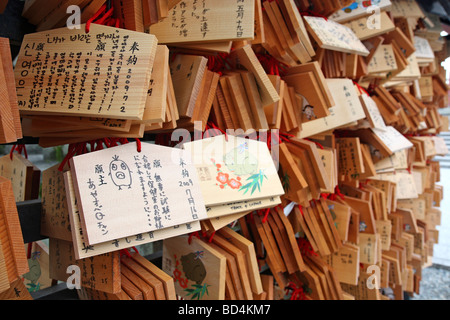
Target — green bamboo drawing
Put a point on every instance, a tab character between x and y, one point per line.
198	292
256	181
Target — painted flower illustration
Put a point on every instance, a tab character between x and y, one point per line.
234	184
222	177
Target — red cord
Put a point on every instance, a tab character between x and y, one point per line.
192	234
19	148
138	145
30	246
95	16
311	13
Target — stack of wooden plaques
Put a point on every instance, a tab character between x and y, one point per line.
223	267
23	174
111	276
13	258
10	126
321	184
285	33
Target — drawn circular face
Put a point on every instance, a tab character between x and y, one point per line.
119	167
120	173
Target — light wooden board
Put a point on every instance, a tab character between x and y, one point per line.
130	14
156	102
55	221
367	27
220	222
356	11
64	123
8	72
101	272
57	14
233	282
187	73
17	291
126	85
241	263
247	59
345	263
4	281
83	250
383	60
346	110
225	20
334	36
39	260
147	291
11	232
237	170
166	280
131	170
16	170
250	256
7	131
146	275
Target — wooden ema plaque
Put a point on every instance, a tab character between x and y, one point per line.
334	36
17	291
101	272
11	128
16	263
197	268
245	57
39	260
187	73
364	28
154	187
23	174
103	73
235	170
209	21
166	280
55	221
346	110
250	256
83	250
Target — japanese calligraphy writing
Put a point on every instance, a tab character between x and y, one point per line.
67	71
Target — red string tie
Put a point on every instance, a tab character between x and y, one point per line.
192	234
125	252
30	246
338	192
138	145
311	13
297	292
95	16
19	148
361	89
